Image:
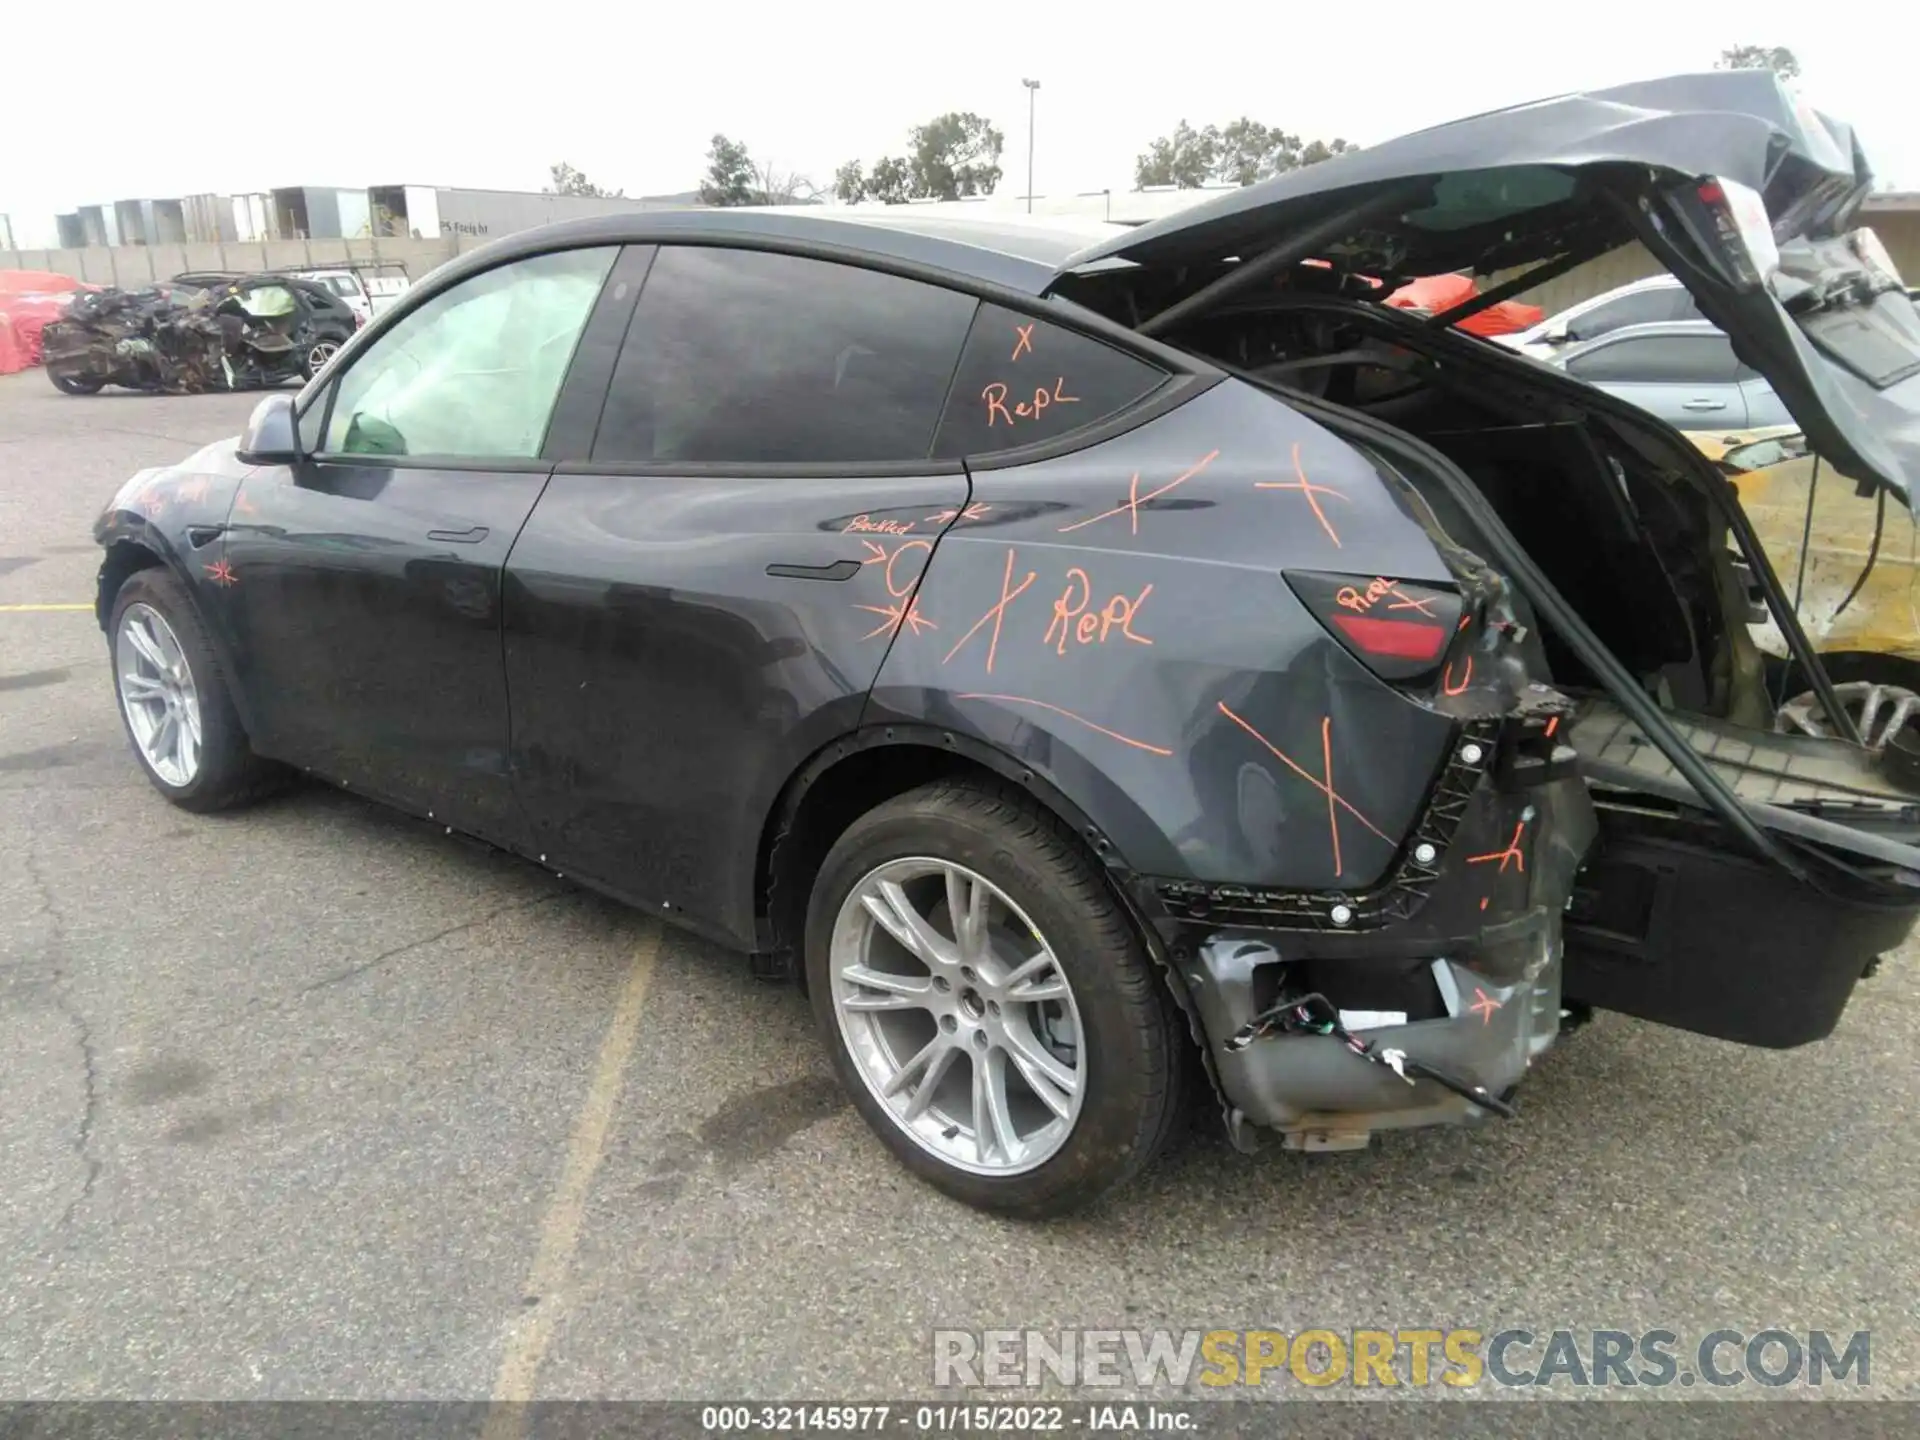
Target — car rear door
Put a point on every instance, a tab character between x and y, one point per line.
363	582
705	601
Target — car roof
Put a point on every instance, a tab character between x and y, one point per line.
1004	250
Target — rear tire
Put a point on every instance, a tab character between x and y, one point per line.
317	355
174	703
1087	1079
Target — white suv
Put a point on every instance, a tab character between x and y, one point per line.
347	286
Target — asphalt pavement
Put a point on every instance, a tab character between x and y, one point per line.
314	1100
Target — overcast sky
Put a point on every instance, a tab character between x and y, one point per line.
147	100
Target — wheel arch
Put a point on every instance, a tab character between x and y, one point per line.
126	557
848	777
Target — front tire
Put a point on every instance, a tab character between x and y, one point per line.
174	703
1024	1060
75	384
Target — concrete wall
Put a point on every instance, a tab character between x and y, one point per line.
136	265
131	266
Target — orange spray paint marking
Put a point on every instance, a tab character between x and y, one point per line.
1512	852
1333	796
194	491
1135	499
1362	601
1404	601
242	505
899	591
1552	725
973	512
1079	719
866	524
1072	620
221	573
1024	344
1307	488
1009	592
1326	760
905	612
1483	1005
1466	678
1026	409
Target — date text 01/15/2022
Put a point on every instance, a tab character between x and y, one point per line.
955	1419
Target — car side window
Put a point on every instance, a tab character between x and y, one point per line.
1023	380
1641	307
750	357
474	372
1660	360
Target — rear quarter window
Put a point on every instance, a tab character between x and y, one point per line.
1024	380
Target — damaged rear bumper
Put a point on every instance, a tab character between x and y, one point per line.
1453	960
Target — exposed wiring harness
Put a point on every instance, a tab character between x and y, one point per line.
1297	1016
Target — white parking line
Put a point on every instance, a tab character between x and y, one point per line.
532	1330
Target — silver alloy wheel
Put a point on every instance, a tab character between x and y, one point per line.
917	991
158	695
322	351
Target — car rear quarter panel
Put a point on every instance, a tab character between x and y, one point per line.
1117	620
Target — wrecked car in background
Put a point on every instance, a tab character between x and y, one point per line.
1065	659
248	333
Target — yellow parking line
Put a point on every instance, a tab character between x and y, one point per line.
35	609
532	1330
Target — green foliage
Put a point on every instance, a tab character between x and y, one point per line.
951	156
569	181
1777	58
730	175
1239	153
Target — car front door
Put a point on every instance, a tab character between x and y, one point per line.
706	601
364	581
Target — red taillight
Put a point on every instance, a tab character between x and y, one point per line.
1399	629
1394	639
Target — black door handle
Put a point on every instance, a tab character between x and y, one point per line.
838	570
460	537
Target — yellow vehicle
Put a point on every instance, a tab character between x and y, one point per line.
1858	593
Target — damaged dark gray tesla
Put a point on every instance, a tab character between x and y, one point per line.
1070	661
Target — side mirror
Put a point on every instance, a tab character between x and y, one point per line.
272	436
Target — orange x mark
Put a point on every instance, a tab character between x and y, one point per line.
1135	499
1323	783
1483	1005
1307	488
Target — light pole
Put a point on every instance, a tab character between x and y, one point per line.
1033	87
